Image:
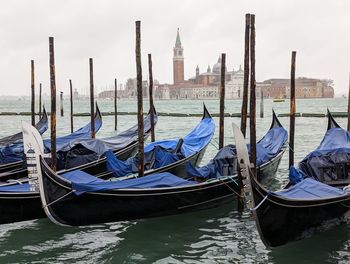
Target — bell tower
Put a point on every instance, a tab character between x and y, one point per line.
178	61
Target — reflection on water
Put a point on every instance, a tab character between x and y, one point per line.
218	235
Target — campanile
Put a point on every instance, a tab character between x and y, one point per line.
178	61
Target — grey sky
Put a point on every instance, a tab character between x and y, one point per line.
105	30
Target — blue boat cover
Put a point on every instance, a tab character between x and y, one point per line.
14	152
87	150
83	182
334	149
224	163
161	153
25	187
65	143
310	189
270	145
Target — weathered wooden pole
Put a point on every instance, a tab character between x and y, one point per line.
292	111
261	104
53	102
222	101
252	108
71	105
40	104
153	137
115	104
349	106
61	103
32	103
246	75
92	105
139	99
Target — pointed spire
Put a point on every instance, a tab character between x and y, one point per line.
208	69
240	67
178	41
197	68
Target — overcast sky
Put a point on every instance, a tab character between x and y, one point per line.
105	30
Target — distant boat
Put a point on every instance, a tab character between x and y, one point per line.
278	100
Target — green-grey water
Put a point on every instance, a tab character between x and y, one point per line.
218	235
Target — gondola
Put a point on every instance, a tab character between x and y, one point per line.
169	155
12	165
19	203
17	139
77	198
12	156
318	192
87	154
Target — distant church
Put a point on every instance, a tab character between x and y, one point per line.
201	86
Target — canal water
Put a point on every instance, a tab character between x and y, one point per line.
218	235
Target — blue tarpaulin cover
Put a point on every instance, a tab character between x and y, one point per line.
14	152
334	149
84	151
267	148
25	187
160	153
65	143
310	189
83	182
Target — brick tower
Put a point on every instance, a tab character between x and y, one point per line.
178	61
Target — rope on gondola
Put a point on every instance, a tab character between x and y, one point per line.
263	200
228	186
217	143
58	199
289	147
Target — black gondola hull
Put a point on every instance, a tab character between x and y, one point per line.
281	221
120	205
15	207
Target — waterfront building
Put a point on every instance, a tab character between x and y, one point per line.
304	88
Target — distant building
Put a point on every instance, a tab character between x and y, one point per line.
304	88
203	85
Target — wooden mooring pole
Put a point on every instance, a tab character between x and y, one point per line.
139	100
40	103
92	105
71	105
252	108
32	103
115	104
349	106
53	103
292	111
261	104
61	103
151	106
246	76
222	101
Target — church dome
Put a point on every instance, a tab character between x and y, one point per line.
217	66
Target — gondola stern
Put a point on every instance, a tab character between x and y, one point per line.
206	113
331	121
98	115
275	121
